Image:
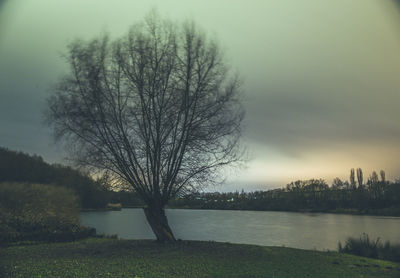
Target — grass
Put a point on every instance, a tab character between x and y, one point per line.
104	257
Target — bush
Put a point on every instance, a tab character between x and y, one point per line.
366	247
38	212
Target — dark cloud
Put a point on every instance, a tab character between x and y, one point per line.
320	81
298	121
397	2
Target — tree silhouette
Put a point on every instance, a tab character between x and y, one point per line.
383	176
374	178
157	109
352	178
337	183
360	177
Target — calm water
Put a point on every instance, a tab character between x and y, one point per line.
300	230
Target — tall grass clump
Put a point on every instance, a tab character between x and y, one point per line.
372	248
36	212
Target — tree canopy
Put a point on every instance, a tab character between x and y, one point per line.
157	109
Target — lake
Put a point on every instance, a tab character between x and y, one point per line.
320	231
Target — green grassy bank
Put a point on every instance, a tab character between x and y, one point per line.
129	258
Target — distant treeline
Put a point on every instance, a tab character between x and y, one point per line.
92	194
21	167
376	196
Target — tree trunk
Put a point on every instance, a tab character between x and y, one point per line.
159	224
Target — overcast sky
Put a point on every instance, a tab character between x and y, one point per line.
321	77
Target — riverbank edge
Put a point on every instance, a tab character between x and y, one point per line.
395	212
147	258
389	212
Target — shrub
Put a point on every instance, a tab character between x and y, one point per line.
366	247
39	213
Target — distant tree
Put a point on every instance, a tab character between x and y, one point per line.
337	183
383	176
293	186
374	178
360	177
352	178
346	185
375	187
156	109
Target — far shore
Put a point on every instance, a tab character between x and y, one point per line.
389	212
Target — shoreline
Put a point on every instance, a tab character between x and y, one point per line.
391	212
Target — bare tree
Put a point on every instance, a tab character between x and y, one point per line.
156	109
